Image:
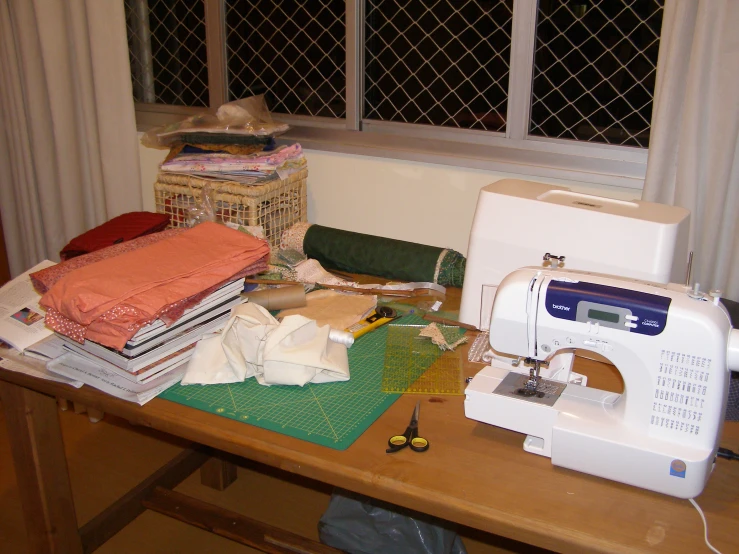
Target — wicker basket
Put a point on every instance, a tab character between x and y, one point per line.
276	205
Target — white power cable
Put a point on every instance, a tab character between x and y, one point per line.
705	525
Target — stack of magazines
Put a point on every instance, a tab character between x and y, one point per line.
154	359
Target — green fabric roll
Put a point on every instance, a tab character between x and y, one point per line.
451	269
389	258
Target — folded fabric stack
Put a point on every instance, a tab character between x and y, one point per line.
248	166
138	308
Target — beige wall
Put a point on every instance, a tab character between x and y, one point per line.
418	202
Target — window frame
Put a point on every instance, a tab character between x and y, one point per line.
513	151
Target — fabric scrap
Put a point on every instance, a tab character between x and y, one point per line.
310	271
295	351
433	332
335	309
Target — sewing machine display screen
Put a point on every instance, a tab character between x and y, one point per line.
603	316
617	308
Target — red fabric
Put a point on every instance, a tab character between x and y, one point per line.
119	229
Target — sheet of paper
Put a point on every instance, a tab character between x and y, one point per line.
77	367
21	317
15	361
46	349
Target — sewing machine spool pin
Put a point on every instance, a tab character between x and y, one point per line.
555	261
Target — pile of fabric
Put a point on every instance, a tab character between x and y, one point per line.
248	165
236	144
107	296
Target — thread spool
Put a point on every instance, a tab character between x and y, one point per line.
342	337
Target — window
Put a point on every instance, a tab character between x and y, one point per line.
560	86
292	51
438	63
166	44
594	71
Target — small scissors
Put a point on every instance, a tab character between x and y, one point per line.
410	437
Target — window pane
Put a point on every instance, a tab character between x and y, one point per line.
166	44
292	51
438	63
594	70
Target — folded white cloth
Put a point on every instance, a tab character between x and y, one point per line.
254	344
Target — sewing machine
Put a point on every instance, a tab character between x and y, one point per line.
673	345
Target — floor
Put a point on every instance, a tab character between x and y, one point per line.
108	458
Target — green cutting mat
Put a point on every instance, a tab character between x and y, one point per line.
329	414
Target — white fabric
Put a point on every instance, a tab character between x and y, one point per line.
693	149
68	144
311	271
295	351
209	364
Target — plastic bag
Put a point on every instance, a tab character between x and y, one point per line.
204	208
362	525
240	119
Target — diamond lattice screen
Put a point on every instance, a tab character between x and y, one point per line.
594	70
166	44
438	63
292	51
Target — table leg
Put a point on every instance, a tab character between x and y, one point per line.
218	473
41	470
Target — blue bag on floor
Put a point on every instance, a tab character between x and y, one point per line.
361	525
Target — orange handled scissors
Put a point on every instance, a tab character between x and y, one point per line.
410	438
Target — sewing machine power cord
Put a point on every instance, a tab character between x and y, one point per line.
729	455
705	525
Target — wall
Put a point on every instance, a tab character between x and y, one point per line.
423	203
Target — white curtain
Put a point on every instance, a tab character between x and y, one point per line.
694	147
68	143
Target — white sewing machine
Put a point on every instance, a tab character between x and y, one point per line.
673	345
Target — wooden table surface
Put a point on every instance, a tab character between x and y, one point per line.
474	474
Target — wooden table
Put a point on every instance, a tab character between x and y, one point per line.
473	474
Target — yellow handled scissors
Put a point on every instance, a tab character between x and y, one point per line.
410	438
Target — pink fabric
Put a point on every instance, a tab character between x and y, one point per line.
43	280
106	330
108	301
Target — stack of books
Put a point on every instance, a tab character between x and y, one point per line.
155	358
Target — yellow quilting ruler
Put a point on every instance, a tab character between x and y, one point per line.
415	365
